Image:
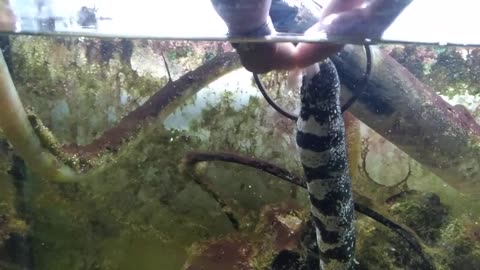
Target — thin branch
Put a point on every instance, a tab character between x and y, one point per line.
363	156
207	186
402	232
405	179
168	69
318	4
192	158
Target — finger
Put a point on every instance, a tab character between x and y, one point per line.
307	54
242	15
365	22
336	6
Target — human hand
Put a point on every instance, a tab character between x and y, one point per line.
7	17
243	16
369	21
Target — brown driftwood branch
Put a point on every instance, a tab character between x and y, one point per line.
39	147
413	117
160	105
192	158
396	104
187	166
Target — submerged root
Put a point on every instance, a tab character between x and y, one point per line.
191	159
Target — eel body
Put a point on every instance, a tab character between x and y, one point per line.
321	142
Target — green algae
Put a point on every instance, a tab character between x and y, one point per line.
144	196
18	130
12	223
128	202
461	244
51	73
423	212
279	227
139	210
450	241
139	196
379	248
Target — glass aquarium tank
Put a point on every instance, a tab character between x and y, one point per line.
174	136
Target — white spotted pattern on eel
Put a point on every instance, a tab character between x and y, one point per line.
321	142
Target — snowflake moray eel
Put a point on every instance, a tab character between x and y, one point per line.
322	147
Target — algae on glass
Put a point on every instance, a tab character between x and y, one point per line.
137	206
